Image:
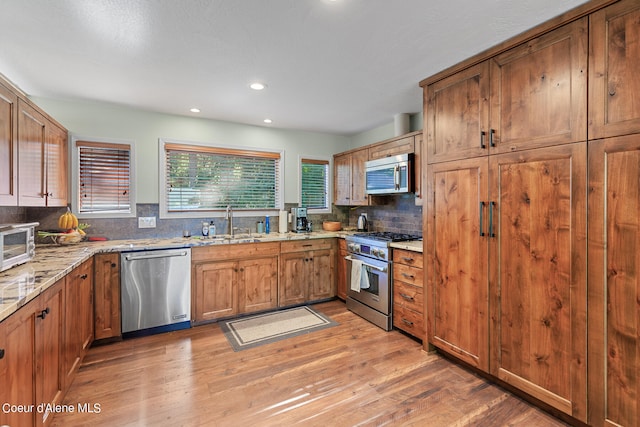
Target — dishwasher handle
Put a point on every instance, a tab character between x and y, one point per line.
133	257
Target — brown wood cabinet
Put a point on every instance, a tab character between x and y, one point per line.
234	279
401	145
79	317
307	271
341	279
31	350
418	169
614	87
349	178
408	296
56	165
8	147
614	283
107	318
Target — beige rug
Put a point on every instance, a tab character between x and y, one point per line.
249	332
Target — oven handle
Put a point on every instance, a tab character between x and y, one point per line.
375	267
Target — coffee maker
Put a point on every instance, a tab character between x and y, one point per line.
299	220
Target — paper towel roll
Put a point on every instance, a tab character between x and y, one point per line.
282	222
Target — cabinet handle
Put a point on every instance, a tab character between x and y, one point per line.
483	134
408	276
407	259
491	141
407	297
491	205
1	353
84	276
407	322
43	313
481	220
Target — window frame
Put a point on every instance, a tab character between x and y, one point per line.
164	213
75	177
328	159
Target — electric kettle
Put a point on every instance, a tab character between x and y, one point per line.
363	225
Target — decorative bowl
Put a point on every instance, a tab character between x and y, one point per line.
331	225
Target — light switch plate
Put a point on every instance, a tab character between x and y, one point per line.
147	222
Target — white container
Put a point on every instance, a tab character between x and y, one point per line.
283	222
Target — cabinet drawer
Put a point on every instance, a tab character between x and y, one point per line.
234	251
408	296
307	245
404	273
409	321
401	256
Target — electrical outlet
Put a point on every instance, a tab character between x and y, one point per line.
147	222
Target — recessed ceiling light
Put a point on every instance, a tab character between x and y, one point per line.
257	86
268	121
195	110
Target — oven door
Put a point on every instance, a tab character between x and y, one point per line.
377	295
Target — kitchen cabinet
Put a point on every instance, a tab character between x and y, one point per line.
79	317
341	279
530	96
408	295
8	147
234	279
107	319
614	283
418	169
42	159
401	145
614	88
349	178
30	358
307	271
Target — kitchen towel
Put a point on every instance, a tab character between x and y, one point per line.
282	221
359	275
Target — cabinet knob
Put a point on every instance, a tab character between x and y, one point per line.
43	313
84	276
113	265
1	353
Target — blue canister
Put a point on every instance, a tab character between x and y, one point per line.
267	228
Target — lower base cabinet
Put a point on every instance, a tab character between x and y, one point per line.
341	263
408	295
107	319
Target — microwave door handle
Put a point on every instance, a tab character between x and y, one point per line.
396	177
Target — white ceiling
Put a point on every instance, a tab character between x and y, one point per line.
340	67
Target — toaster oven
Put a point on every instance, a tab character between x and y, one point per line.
17	244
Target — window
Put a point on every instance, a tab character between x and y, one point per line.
102	178
314	184
201	179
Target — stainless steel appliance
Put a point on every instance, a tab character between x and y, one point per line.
17	244
363	224
155	291
389	175
300	222
369	290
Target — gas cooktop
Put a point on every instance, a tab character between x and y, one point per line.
388	236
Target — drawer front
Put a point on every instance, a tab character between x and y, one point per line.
234	251
409	321
408	296
411	275
307	245
401	256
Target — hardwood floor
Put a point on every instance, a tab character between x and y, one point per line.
354	374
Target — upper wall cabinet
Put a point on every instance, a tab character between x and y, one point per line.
8	148
530	96
348	181
614	87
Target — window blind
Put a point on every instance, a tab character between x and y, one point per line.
209	178
104	177
315	183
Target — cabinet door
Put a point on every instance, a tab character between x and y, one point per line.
49	344
358	185
342	270
614	87
257	284
323	267
107	320
392	148
539	91
31	143
538	274
419	164
8	148
17	346
457	257
457	115
294	278
342	179
216	293
56	166
614	283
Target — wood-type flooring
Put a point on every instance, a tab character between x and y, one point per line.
354	374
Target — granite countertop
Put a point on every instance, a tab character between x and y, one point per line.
411	245
21	284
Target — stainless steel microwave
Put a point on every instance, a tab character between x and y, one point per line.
389	175
17	244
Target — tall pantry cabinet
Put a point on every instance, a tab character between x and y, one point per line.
506	216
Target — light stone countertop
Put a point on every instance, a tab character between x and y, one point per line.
21	284
412	245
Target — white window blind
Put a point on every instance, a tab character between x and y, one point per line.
202	178
104	172
314	183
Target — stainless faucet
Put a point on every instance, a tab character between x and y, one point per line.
229	216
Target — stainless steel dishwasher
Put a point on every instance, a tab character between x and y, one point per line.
155	291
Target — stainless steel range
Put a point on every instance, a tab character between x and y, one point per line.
369	275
